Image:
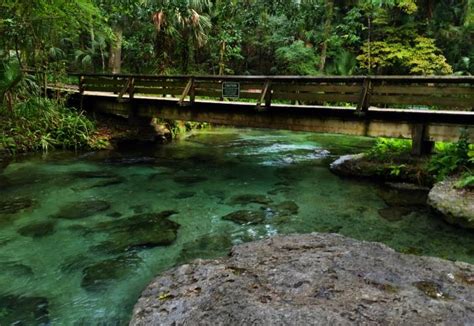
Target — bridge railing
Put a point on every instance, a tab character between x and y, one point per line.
362	92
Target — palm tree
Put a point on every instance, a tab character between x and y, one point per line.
184	21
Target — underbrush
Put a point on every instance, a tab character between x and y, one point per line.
42	124
389	150
449	159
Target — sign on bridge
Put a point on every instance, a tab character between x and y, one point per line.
230	89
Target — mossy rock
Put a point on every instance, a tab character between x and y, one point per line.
99	276
250	199
455	205
82	209
38	230
24	310
246	217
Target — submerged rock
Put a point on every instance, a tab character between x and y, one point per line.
82	209
15	205
98	276
250	199
115	214
23	310
16	269
395	195
140	231
280	213
38	230
456	206
94	175
394	213
102	183
189	179
315	279
185	194
207	246
75	263
245	217
288	207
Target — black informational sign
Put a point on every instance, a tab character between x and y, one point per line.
230	90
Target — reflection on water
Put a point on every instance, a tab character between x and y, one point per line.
82	235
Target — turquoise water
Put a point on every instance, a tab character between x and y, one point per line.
82	270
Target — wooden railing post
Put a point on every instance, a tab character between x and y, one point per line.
81	85
188	90
266	95
125	89
131	88
364	99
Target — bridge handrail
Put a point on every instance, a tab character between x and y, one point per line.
399	78
454	92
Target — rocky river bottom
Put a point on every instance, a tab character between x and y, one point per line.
81	235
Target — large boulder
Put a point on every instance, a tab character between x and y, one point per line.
314	279
456	205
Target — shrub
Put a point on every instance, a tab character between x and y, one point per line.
387	149
41	124
451	158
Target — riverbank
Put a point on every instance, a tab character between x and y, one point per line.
455	205
311	279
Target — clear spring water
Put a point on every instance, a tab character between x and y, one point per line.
199	177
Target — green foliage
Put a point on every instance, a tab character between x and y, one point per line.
451	158
418	57
386	149
466	181
397	169
43	124
296	59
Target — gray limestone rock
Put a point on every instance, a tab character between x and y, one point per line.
456	206
313	279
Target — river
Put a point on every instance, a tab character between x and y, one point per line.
71	253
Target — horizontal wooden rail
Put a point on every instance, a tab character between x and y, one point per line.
435	92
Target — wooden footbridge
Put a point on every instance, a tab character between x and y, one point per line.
425	109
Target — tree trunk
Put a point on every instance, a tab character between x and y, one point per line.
115	55
327	33
222	58
369	40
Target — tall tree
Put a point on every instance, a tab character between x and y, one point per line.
185	21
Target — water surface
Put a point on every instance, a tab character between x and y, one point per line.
76	271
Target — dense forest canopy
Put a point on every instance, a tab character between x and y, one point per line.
303	37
